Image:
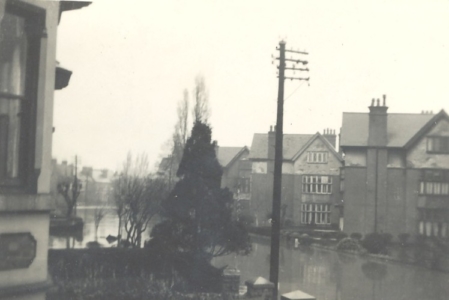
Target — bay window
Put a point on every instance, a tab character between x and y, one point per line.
20	35
434	182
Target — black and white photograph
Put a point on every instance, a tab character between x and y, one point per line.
223	150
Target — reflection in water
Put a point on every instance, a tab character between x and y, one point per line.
375	272
327	275
81	239
335	276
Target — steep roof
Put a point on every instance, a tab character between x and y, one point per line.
401	128
323	140
226	155
292	143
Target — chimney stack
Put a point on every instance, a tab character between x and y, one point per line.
330	136
378	124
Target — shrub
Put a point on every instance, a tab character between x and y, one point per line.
388	237
340	235
356	236
376	243
326	235
289	223
349	244
247	219
305	240
403	238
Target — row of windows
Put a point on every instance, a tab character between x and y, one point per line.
434	188
317	184
438	229
315	214
433	222
317	157
311	184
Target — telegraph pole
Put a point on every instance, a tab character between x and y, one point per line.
277	182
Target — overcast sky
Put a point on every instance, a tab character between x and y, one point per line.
131	61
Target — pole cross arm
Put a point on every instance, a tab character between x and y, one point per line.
296	78
297	69
299	52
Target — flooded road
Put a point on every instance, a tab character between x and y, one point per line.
327	275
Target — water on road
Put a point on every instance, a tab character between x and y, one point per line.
327	275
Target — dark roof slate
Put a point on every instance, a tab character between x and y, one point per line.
401	128
227	154
292	143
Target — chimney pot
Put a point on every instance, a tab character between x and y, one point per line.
385	100
372	102
271	128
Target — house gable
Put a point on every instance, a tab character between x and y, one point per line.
417	151
320	145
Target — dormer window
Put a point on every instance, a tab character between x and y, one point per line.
317	157
438	144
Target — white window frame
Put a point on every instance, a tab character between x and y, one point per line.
317	184
317	157
434	188
319	212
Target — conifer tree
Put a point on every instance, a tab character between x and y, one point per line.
198	213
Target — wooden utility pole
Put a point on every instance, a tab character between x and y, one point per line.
277	182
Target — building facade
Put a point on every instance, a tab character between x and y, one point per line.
310	179
28	77
396	174
236	175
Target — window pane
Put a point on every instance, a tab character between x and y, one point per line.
445	188
437	188
429	188
9	137
13	45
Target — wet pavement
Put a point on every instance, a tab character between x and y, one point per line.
328	275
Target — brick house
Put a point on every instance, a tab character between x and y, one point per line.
396	174
310	179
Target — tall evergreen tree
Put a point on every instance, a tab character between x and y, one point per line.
198	213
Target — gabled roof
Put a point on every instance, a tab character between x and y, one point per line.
439	116
401	128
324	140
292	143
227	155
